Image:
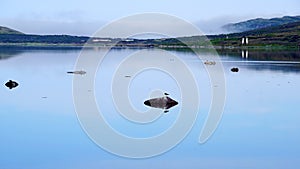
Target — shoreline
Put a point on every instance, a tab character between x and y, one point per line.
148	46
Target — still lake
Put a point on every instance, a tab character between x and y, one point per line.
259	128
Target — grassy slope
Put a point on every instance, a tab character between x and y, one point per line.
260	23
284	35
5	30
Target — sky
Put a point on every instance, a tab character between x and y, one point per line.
77	17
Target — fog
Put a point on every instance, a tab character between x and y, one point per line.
88	28
81	27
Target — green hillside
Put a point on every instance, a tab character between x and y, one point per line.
5	30
287	35
260	23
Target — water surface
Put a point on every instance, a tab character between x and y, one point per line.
259	129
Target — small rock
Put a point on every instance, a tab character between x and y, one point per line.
235	69
11	84
78	72
163	102
210	62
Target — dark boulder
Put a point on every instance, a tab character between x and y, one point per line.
11	84
235	69
164	102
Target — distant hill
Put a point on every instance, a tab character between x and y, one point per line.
287	35
43	39
277	37
5	30
284	29
259	23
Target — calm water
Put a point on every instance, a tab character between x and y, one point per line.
259	129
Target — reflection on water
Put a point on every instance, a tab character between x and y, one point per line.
263	55
259	129
287	61
7	53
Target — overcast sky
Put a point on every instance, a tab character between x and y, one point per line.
84	17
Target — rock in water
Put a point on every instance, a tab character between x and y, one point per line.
164	102
210	62
11	84
78	72
235	69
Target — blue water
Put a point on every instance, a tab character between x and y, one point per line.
39	126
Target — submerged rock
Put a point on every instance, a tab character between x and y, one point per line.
164	102
11	84
210	62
